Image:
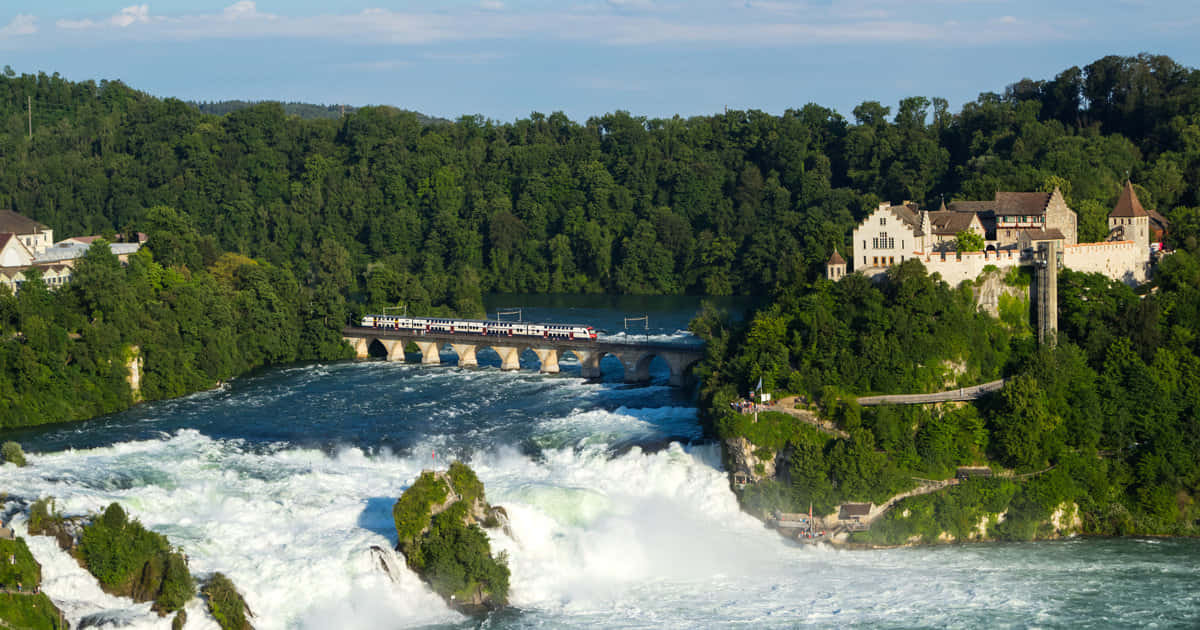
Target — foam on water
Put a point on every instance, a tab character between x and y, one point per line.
634	540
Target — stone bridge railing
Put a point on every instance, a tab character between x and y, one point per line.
635	357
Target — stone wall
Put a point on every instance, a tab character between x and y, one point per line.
954	268
1121	260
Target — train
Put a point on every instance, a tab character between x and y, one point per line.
482	327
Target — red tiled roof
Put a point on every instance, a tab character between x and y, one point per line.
836	259
1128	204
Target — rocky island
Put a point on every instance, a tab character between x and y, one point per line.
438	527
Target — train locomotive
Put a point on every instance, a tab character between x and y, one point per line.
482	327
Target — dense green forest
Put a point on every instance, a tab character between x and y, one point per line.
270	231
301	110
738	202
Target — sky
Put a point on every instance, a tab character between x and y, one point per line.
504	59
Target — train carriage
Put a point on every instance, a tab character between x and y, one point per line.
479	327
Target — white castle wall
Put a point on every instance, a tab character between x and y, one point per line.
1120	260
955	268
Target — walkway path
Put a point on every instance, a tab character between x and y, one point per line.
926	486
963	393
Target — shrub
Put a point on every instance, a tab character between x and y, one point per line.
225	603
115	549
412	510
11	452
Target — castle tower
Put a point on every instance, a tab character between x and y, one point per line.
835	269
1133	220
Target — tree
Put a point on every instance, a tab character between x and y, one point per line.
968	241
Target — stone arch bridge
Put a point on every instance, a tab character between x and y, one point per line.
635	357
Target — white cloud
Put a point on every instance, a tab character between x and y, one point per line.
768	23
244	10
20	25
137	14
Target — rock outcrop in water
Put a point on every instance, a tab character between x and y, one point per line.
438	526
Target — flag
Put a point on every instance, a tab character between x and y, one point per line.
759	388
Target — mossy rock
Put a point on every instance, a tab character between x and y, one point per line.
226	604
437	529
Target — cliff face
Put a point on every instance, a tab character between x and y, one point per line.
439	522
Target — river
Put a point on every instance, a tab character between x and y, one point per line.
621	515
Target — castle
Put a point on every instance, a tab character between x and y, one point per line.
1012	225
26	245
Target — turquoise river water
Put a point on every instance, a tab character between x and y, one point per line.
621	514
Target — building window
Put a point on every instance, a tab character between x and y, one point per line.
891	260
874	261
882	220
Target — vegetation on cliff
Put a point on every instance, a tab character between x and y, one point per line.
1111	410
132	561
225	603
20	577
437	524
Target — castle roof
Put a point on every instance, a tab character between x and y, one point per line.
951	223
1022	203
909	214
1128	204
972	206
836	259
17	224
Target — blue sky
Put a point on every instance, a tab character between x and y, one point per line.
506	58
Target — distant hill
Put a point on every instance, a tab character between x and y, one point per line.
306	111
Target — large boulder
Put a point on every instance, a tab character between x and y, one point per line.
438	528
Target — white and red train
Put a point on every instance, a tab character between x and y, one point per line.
479	327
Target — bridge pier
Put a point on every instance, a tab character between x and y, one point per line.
635	358
360	345
589	363
430	354
548	358
466	354
510	357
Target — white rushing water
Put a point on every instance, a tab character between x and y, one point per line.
601	536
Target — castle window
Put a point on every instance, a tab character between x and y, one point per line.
882	220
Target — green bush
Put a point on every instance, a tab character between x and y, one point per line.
177	585
115	549
456	558
466	484
22	569
412	510
225	604
29	612
11	452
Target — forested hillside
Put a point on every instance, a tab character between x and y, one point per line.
739	202
1105	425
269	231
